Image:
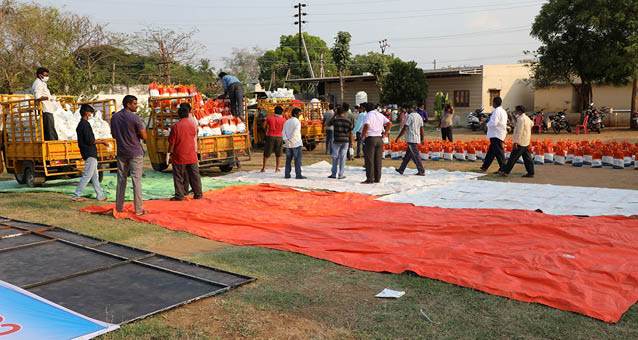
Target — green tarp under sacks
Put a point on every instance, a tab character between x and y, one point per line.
155	185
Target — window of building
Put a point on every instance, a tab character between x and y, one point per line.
462	98
493	94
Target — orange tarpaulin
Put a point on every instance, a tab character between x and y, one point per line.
585	265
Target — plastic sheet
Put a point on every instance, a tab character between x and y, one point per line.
551	199
584	265
391	182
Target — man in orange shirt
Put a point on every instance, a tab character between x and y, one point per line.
183	155
274	141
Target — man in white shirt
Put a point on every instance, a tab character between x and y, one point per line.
375	125
291	135
415	134
41	93
522	136
358	128
496	132
329	129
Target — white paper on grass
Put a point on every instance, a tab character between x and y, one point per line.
390	294
317	178
551	199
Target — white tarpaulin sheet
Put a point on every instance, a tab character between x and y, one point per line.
317	178
551	199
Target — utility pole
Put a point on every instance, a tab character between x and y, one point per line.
113	78
322	73
300	22
435	64
383	44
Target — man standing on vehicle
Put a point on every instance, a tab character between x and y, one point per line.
496	132
235	91
127	129
183	155
522	136
88	150
291	135
41	93
274	142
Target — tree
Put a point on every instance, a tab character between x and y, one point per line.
623	20
341	55
168	47
577	47
376	63
405	84
275	64
243	64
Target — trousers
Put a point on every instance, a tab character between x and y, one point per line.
185	174
135	167
373	155
90	174
293	153
412	154
515	155
495	151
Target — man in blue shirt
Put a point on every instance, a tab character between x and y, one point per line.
358	128
424	114
235	91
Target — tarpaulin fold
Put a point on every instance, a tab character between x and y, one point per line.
584	265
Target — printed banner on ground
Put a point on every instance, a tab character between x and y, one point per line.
24	315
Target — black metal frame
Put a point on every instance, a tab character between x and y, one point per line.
41	231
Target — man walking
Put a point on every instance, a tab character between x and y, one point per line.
342	140
233	90
183	155
373	130
415	134
329	129
350	116
291	135
274	141
41	93
522	136
127	129
88	150
358	128
496	132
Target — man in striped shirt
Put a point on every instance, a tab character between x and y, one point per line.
342	140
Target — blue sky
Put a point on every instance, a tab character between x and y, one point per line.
454	32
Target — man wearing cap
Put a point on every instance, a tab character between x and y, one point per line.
88	150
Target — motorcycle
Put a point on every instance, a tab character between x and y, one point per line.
634	120
560	122
476	119
541	114
594	119
511	121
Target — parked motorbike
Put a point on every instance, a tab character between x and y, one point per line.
634	120
476	119
511	121
594	119
560	122
544	126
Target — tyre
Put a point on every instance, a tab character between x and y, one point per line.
226	168
20	178
474	128
569	129
556	129
311	146
30	176
159	166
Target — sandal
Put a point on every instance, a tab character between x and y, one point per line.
141	213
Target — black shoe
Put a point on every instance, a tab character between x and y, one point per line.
287	177
366	182
301	177
176	199
198	197
397	170
332	176
421	174
528	176
503	174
